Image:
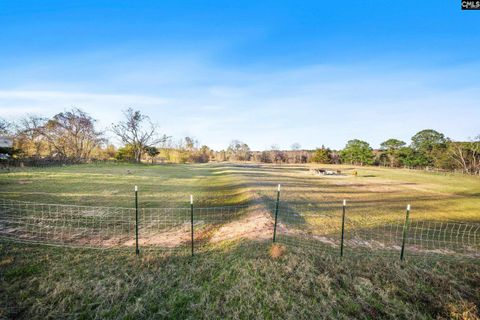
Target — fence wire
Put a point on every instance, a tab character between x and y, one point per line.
84	226
110	227
367	232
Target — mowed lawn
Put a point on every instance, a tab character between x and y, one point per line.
238	279
380	192
373	192
112	185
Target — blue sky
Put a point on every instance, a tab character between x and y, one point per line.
265	72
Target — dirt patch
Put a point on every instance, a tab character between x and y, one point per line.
95	241
256	225
169	238
371	244
299	233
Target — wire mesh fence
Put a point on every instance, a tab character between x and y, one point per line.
350	230
111	227
366	232
59	224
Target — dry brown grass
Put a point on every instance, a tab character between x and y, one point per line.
277	250
464	311
249	280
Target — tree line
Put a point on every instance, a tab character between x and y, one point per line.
428	149
72	136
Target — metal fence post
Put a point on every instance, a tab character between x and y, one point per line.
343	227
191	218
137	251
405	230
276	214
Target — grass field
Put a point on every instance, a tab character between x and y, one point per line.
442	197
432	195
235	281
113	185
239	278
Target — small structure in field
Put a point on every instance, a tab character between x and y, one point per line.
6	148
325	172
6	142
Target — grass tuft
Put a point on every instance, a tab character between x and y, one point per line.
276	251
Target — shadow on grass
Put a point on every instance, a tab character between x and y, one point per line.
237	279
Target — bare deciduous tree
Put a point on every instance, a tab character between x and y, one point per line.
72	135
29	137
296	146
238	150
137	131
277	155
4	126
191	144
466	155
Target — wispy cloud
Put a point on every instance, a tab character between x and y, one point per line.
314	105
15	103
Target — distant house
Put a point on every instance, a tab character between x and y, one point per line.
6	142
6	145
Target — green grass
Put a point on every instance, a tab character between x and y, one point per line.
237	280
112	185
308	202
375	190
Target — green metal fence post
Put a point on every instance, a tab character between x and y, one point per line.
137	251
343	227
405	230
276	214
191	218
